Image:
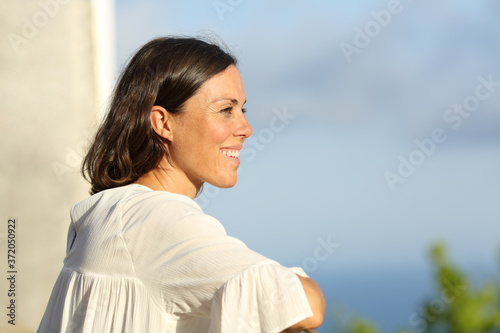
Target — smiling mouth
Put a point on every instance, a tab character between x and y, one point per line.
234	154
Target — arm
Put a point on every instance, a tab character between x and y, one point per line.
316	302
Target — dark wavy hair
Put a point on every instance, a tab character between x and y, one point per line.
166	72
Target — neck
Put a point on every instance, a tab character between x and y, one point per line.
166	178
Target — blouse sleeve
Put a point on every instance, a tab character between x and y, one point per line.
192	268
263	298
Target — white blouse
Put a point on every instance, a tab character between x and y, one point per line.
151	261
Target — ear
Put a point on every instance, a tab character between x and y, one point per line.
162	122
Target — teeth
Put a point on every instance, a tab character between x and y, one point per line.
231	153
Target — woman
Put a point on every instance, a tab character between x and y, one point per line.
141	255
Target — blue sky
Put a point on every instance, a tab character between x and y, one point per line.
322	172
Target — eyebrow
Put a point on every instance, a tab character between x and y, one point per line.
234	101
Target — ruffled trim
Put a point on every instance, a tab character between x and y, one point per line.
263	298
87	304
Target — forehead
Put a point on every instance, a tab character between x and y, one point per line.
226	85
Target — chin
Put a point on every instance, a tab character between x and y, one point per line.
226	183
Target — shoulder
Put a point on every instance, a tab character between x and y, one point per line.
164	211
140	197
134	205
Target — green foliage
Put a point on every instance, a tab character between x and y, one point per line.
345	322
359	325
457	307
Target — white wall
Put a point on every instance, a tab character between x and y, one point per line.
54	77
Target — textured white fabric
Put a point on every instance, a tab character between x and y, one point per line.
151	261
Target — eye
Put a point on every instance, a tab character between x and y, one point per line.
244	110
227	110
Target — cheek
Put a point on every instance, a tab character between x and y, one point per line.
220	132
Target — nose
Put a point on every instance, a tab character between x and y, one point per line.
244	129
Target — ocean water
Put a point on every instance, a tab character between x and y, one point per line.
385	297
389	297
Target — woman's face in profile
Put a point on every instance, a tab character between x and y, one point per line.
209	133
